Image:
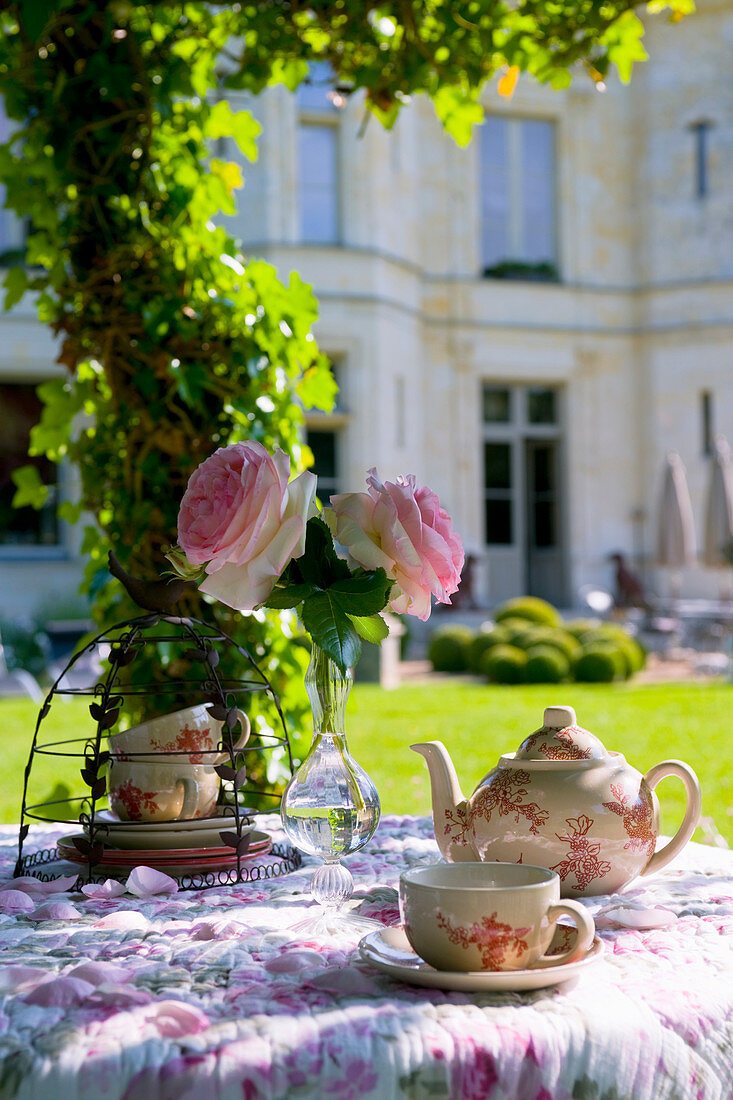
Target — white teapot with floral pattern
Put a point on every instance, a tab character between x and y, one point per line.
560	801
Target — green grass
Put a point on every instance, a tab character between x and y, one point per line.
648	723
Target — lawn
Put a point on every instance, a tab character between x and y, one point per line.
648	723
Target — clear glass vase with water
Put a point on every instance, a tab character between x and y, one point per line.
330	807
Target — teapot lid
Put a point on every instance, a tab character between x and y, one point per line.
561	738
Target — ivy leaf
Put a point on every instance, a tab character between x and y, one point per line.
318	388
224	122
459	112
29	489
331	629
373	628
624	45
16	283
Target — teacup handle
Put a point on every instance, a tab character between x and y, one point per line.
692	813
586	931
241	741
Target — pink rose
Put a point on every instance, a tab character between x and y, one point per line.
241	518
403	529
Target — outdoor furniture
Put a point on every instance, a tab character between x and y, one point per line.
16	681
208	994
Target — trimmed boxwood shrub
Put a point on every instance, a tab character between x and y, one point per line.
580	628
546	665
556	637
504	664
448	648
531	608
481	643
632	654
598	663
517	631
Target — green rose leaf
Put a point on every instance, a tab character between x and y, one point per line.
320	565
371	628
289	595
364	593
331	629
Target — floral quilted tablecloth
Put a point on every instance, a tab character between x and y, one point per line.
210	995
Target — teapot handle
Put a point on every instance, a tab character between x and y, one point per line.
692	813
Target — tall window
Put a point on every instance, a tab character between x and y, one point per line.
13	230
521	427
324	434
20	409
318	159
517	188
701	140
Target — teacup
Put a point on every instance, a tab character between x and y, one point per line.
160	790
191	734
488	916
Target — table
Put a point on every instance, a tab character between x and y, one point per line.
206	995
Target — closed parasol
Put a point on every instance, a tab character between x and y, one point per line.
676	531
717	548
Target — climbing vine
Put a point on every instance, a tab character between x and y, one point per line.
172	341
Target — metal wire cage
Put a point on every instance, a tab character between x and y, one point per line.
144	667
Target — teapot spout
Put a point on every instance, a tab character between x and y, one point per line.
453	834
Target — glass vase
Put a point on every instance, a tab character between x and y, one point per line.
330	807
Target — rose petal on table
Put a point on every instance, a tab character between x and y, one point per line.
115	995
60	992
31	885
173	1019
55	910
15	979
295	962
215	928
15	901
98	973
144	882
126	920
641	919
110	888
58	885
348	979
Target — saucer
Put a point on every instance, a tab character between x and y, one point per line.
107	817
179	859
203	832
389	950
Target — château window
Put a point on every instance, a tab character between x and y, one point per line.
20	410
318	159
518	198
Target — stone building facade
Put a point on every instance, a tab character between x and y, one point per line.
528	324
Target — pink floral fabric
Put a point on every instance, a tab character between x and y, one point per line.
179	996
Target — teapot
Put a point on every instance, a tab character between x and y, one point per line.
561	801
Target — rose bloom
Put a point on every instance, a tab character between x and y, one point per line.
241	518
403	529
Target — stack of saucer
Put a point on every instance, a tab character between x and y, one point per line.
176	847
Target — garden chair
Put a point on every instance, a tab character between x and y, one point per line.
16	681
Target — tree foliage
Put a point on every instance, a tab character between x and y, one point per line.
174	342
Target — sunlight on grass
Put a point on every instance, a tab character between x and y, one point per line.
648	723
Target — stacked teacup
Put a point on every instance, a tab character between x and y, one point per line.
164	769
